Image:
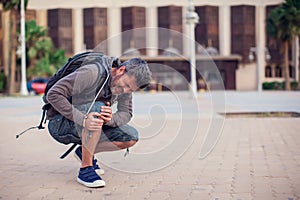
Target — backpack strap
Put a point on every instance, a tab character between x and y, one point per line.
68	151
93	102
46	107
40	126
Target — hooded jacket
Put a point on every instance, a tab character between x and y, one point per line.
81	87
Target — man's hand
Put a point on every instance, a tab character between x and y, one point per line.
106	112
93	122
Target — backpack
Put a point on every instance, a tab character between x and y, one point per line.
72	64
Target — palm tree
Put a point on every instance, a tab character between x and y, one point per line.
44	58
13	6
283	24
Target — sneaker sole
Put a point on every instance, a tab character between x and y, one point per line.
98	171
96	184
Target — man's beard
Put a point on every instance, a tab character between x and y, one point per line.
115	89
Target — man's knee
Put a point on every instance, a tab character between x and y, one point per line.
127	144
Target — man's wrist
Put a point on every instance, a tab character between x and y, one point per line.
84	119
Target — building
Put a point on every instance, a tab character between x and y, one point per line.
230	31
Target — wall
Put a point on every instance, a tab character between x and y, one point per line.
246	77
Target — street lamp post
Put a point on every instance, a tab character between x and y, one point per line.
192	18
23	90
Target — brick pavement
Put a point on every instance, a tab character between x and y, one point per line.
255	158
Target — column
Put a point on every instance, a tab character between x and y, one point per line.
6	44
224	30
78	30
114	32
260	35
151	31
296	58
41	18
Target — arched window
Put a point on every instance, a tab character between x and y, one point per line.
278	71
268	71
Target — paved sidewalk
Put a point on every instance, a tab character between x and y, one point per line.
254	158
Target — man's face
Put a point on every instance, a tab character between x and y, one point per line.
123	83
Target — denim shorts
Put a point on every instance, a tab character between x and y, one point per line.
66	131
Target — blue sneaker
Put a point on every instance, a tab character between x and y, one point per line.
78	156
88	177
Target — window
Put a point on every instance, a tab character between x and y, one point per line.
65	18
278	71
291	71
268	71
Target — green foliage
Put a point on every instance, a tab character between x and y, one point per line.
13	4
283	22
44	59
293	84
34	32
275	85
2	81
40	69
40	47
58	59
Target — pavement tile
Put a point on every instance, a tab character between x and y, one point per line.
221	196
262	184
242	196
222	188
199	195
242	188
40	193
286	196
159	195
281	185
225	174
266	195
206	180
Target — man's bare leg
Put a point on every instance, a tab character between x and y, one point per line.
89	141
113	146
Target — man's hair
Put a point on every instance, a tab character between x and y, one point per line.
140	70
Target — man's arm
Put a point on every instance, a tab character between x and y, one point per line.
75	83
124	111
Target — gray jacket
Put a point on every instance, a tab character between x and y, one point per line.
81	86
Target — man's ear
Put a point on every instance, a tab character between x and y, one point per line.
121	70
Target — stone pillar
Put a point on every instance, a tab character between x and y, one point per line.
151	31
260	35
78	30
114	32
41	18
6	44
296	58
224	30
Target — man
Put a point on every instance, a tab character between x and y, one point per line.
98	130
